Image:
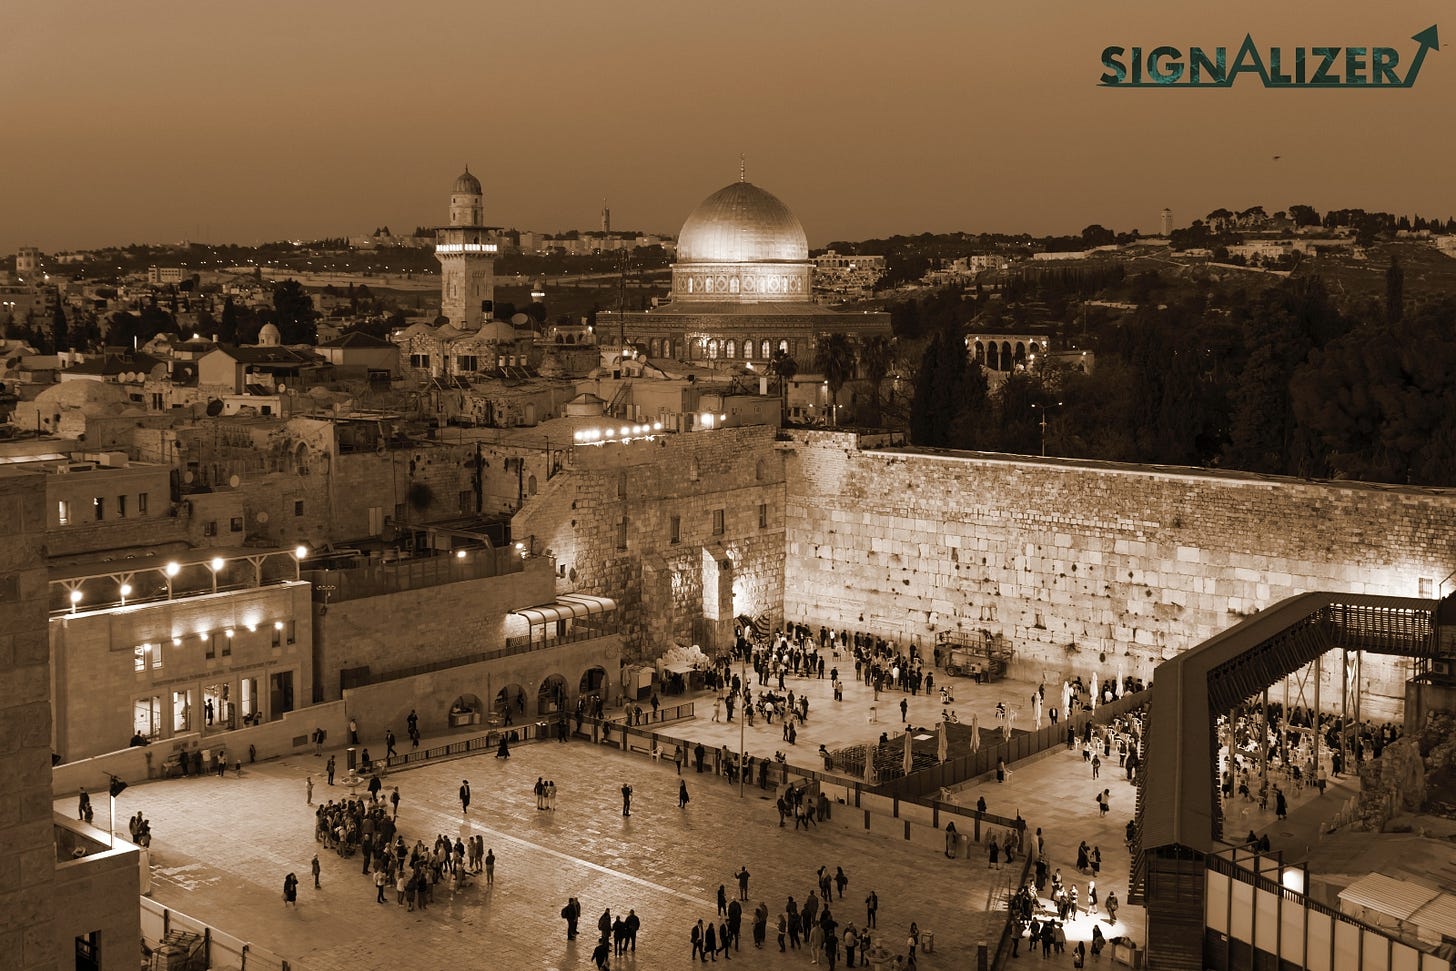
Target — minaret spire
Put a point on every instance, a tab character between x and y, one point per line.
742	169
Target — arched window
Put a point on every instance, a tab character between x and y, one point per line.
730	349
531	486
766	351
713	349
993	356
784	346
1007	361
980	350
748	346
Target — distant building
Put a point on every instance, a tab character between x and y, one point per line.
28	264
467	257
163	275
1167	221
836	272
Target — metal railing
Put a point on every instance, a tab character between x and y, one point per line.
580	630
534	731
377	579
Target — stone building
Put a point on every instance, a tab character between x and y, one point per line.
466	252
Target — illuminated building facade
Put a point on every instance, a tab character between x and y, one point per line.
150	648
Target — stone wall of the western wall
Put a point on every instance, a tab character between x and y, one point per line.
607	519
1089	567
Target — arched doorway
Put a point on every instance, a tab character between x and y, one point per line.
510	701
465	710
552	696
993	356
593	682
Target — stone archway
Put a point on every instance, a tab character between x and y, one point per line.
993	356
594	682
510	699
551	697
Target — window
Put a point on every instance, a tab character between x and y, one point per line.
292	629
622	484
139	657
277	635
227	643
717	522
1424	585
210	529
730	349
674	529
765	350
467	501
210	642
121	506
237	524
98	505
147	716
420	360
622	533
88	951
142	503
63	512
763	515
298	507
465	362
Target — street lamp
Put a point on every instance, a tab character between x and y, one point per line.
300	553
168	572
216	566
1043	422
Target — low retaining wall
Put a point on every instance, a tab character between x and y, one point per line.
289	734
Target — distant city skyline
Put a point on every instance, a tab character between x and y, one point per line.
157	122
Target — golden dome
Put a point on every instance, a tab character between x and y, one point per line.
742	223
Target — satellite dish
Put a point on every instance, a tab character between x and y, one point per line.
520	320
214	408
234	481
126	377
262	517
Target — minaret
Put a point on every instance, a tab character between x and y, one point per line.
606	219
1167	218
467	258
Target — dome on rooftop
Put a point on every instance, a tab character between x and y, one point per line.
741	223
467	183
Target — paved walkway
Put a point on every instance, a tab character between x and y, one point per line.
222	846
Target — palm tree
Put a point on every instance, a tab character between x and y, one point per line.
785	368
837	359
876	355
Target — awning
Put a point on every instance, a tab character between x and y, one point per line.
1387	895
569	606
1437	917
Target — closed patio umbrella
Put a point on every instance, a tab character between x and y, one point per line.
909	754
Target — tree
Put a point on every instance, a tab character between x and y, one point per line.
784	367
227	328
295	317
836	359
876	356
1394	291
1096	235
950	394
60	328
1304	215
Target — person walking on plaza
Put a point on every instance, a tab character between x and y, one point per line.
872	904
308	788
353	732
1104	801
710	941
742	877
315	867
330	769
682	798
626	799
696	937
631	926
464	797
290	890
572	913
394	801
490	868
1112	906
904	709
840	881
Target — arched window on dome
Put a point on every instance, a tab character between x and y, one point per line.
713	349
730	349
766	350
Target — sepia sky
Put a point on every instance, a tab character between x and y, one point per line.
151	121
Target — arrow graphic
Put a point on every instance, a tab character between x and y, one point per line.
1427	39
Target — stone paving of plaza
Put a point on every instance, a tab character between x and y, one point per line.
222	846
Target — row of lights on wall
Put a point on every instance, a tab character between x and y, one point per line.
597	436
216	564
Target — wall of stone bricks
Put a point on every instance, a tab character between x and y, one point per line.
427	625
98	894
578	517
27	847
1090	567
